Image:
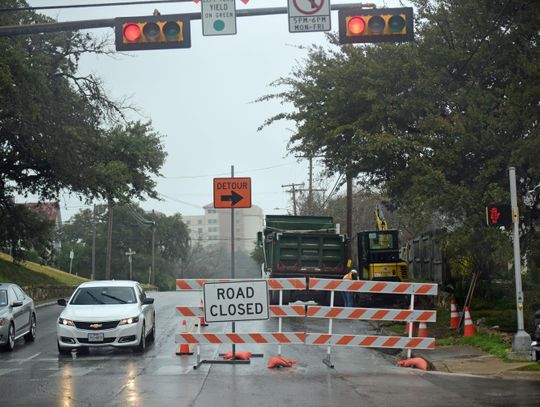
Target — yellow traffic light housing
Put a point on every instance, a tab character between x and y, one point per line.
152	32
359	25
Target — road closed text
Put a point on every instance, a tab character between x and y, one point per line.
233	310
236	301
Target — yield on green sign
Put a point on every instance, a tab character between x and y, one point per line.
218	17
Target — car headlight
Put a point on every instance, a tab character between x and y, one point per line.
128	321
63	321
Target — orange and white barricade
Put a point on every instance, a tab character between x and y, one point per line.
330	313
375	287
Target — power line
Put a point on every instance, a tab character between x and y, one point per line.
228	173
69	6
333	190
180	201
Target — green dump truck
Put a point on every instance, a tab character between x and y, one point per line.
303	246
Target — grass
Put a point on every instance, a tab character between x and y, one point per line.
490	343
28	273
494	342
531	367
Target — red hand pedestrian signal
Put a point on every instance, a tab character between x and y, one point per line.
494	216
499	215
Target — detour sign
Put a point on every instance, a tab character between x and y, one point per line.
236	301
232	192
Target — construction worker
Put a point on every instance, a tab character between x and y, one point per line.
348	296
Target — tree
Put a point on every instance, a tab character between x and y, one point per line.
132	229
435	124
60	131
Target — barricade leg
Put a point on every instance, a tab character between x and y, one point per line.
411	327
280	320
327	360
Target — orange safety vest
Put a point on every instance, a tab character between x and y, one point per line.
349	275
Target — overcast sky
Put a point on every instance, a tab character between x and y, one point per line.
200	100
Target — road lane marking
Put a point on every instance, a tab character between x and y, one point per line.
8	371
29	358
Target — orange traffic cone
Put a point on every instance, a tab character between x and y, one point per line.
408	325
454	316
469	328
202	321
184	348
422	330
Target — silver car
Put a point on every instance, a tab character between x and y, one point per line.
17	316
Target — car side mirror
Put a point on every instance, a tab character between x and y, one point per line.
148	301
16	303
62	302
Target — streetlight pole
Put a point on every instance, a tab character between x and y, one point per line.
130	254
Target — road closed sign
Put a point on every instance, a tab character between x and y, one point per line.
236	301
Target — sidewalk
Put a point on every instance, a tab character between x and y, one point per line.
467	359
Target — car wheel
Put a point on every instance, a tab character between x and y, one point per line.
152	335
62	350
10	344
141	347
31	335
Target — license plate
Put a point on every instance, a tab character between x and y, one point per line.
377	275
95	337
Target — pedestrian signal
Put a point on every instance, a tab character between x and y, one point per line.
375	25
152	32
499	215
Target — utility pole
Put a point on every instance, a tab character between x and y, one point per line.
521	341
153	246
293	190
349	231
93	274
109	240
310	189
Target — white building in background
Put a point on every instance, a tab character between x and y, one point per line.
214	227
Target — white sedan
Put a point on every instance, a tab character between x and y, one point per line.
106	313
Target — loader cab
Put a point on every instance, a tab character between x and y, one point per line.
378	255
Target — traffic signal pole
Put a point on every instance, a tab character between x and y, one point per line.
521	341
11	30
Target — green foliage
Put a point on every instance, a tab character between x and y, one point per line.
433	124
132	229
59	130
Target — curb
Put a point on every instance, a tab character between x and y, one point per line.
44	304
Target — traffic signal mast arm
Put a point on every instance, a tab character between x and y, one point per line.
11	30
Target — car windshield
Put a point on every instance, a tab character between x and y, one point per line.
104	295
3	298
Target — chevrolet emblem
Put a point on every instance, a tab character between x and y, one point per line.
96	326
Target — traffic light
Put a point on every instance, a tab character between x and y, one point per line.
375	25
152	32
499	215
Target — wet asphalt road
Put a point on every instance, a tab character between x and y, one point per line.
35	375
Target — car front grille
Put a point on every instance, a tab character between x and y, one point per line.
105	340
96	326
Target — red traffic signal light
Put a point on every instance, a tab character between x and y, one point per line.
499	215
152	32
375	25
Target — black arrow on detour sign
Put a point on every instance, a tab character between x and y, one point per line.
234	197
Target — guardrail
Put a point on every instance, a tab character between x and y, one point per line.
330	313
